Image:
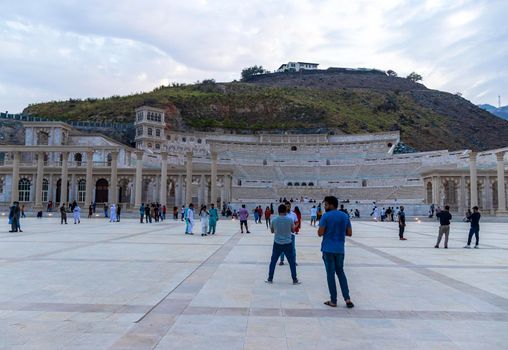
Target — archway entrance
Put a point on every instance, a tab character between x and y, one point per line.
101	191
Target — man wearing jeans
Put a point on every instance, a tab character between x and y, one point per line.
334	226
475	227
282	226
444	226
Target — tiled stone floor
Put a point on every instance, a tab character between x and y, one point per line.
130	286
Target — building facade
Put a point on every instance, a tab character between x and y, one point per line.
60	164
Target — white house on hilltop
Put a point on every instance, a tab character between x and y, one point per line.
297	66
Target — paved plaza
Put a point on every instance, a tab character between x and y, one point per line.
131	286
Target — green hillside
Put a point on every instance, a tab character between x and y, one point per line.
342	103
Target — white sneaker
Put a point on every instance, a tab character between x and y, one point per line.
476	247
467	246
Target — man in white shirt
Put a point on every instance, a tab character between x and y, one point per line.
313	215
290	214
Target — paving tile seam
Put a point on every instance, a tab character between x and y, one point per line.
79	246
165	327
491	298
451	238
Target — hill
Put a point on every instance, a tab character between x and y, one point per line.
501	112
306	102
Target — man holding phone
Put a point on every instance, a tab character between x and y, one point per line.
334	226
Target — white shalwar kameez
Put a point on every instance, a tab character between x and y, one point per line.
112	213
77	214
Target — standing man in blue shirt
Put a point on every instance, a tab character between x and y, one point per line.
334	226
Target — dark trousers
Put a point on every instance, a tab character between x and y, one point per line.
293	247
141	218
63	218
401	231
277	250
268	223
243	222
14	224
334	265
476	232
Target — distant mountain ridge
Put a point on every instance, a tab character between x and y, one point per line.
501	112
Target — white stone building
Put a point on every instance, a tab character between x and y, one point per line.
297	66
58	163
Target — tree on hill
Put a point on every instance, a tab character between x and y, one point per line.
414	77
249	72
391	73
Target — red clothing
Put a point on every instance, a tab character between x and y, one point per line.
268	213
298	225
260	213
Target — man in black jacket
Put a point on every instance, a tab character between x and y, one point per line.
444	226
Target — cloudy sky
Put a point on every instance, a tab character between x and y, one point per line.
57	49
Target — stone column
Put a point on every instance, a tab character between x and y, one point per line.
40	177
202	189
221	197
473	179
72	194
501	191
178	191
63	182
487	195
15	176
436	182
89	178
227	188
164	179
139	178
188	174
113	190
462	195
213	179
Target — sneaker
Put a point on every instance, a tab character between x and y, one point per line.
436	246
467	246
445	247
475	247
248	231
295	282
403	239
350	304
281	263
269	281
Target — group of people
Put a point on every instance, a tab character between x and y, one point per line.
71	208
208	218
385	214
445	217
302	199
154	212
334	226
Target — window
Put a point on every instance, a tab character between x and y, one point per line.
140	116
42	138
157	146
297	184
265	162
2	158
239	182
81	190
139	131
311	183
45	188
328	162
24	190
364	183
184	139
199	140
158	132
109	159
150	132
290	184
304	184
293	148
168	137
1	186
78	158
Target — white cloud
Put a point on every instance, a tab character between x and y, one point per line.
56	49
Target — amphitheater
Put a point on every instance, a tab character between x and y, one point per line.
60	163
